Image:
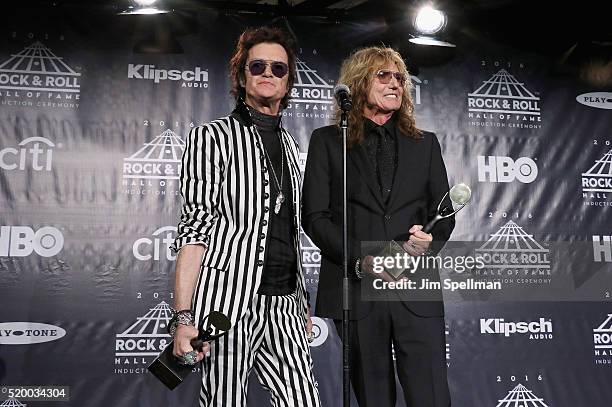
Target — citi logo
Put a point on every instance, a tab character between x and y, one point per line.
541	329
602	249
34	152
21	241
505	169
196	78
26	333
599	100
156	248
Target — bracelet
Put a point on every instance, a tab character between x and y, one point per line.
182	317
360	274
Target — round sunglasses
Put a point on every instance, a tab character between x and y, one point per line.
384	76
258	66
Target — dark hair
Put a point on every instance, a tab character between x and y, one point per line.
248	39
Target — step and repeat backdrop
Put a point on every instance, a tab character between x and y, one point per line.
91	136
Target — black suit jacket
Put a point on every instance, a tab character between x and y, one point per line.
420	182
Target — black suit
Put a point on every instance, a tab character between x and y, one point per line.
420	182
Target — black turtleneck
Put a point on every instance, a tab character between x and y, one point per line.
280	268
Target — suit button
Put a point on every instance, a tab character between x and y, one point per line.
260	263
266	195
266	209
264	222
262	236
260	249
266	182
261	157
264	169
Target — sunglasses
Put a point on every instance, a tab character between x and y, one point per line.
258	66
384	76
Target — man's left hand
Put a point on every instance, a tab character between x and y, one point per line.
419	241
308	325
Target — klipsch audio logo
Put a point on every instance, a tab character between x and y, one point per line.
602	249
597	182
156	164
504	101
35	76
521	396
34	153
143	340
505	169
196	78
515	255
21	241
26	333
602	340
537	330
157	246
599	100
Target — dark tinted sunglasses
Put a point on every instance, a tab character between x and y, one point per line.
384	76
258	67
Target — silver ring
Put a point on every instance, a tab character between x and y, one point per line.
310	337
189	358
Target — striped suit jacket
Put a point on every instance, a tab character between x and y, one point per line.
227	199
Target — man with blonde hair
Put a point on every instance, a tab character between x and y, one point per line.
395	179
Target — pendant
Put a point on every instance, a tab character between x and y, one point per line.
280	198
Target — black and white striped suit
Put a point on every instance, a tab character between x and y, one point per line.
225	184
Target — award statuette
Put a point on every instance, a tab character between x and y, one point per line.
169	369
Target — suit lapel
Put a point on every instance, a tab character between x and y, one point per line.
362	164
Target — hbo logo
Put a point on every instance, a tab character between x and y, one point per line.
21	241
505	169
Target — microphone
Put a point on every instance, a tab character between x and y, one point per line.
342	93
460	194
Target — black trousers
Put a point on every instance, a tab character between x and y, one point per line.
420	352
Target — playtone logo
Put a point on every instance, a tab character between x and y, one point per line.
541	329
505	169
26	333
21	241
34	152
599	100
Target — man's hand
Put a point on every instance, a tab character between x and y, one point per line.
308	323
419	241
182	338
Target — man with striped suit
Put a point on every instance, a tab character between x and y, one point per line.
238	237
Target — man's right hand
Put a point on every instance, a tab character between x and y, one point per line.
182	342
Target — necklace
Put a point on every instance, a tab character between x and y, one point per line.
280	198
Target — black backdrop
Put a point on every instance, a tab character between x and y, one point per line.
90	143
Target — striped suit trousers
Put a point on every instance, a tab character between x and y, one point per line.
270	338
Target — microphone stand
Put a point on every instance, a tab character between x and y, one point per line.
346	346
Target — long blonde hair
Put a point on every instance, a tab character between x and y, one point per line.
357	72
